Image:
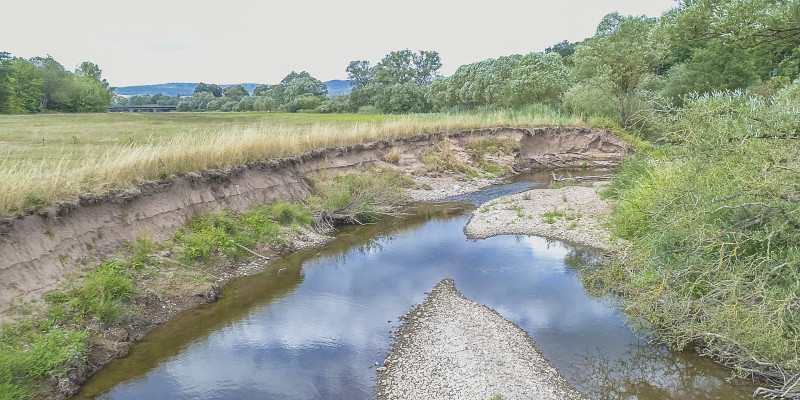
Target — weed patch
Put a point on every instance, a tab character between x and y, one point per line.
441	158
359	197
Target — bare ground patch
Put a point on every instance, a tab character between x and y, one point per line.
574	214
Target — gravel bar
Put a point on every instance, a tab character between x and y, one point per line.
453	348
574	214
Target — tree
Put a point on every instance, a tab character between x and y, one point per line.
235	93
406	66
215	90
717	67
359	73
25	88
768	30
260	90
747	24
305	85
92	93
563	48
296	91
402	98
623	51
200	88
57	86
538	79
426	66
5	72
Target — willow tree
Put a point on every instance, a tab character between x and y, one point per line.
623	52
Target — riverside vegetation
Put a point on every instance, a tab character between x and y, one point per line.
713	218
52	340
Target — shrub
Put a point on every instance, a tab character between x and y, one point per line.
713	222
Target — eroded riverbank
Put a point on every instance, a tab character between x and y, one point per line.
318	328
165	289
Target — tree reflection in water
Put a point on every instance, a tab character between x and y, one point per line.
645	371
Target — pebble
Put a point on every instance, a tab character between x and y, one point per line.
464	350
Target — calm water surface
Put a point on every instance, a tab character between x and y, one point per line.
315	331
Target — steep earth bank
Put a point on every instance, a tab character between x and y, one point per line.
40	249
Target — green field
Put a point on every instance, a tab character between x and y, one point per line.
50	157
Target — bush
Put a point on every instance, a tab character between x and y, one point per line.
360	197
593	98
714	222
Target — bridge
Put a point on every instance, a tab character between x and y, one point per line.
144	108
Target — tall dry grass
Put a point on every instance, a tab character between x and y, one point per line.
35	183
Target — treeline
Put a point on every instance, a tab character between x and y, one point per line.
295	93
42	84
631	66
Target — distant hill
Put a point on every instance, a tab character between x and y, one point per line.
335	88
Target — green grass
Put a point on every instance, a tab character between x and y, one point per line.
55	338
552	216
30	353
360	197
232	234
49	157
714	222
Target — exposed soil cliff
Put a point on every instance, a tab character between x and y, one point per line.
38	250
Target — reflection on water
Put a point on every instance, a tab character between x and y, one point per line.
317	332
650	372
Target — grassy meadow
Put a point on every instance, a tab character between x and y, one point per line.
50	157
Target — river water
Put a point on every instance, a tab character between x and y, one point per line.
315	330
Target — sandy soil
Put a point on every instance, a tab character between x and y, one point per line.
453	348
574	214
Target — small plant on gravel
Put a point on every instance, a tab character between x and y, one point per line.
526	196
516	208
572	226
550	217
569	181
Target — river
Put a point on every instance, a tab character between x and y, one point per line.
316	329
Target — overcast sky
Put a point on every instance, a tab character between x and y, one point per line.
237	41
